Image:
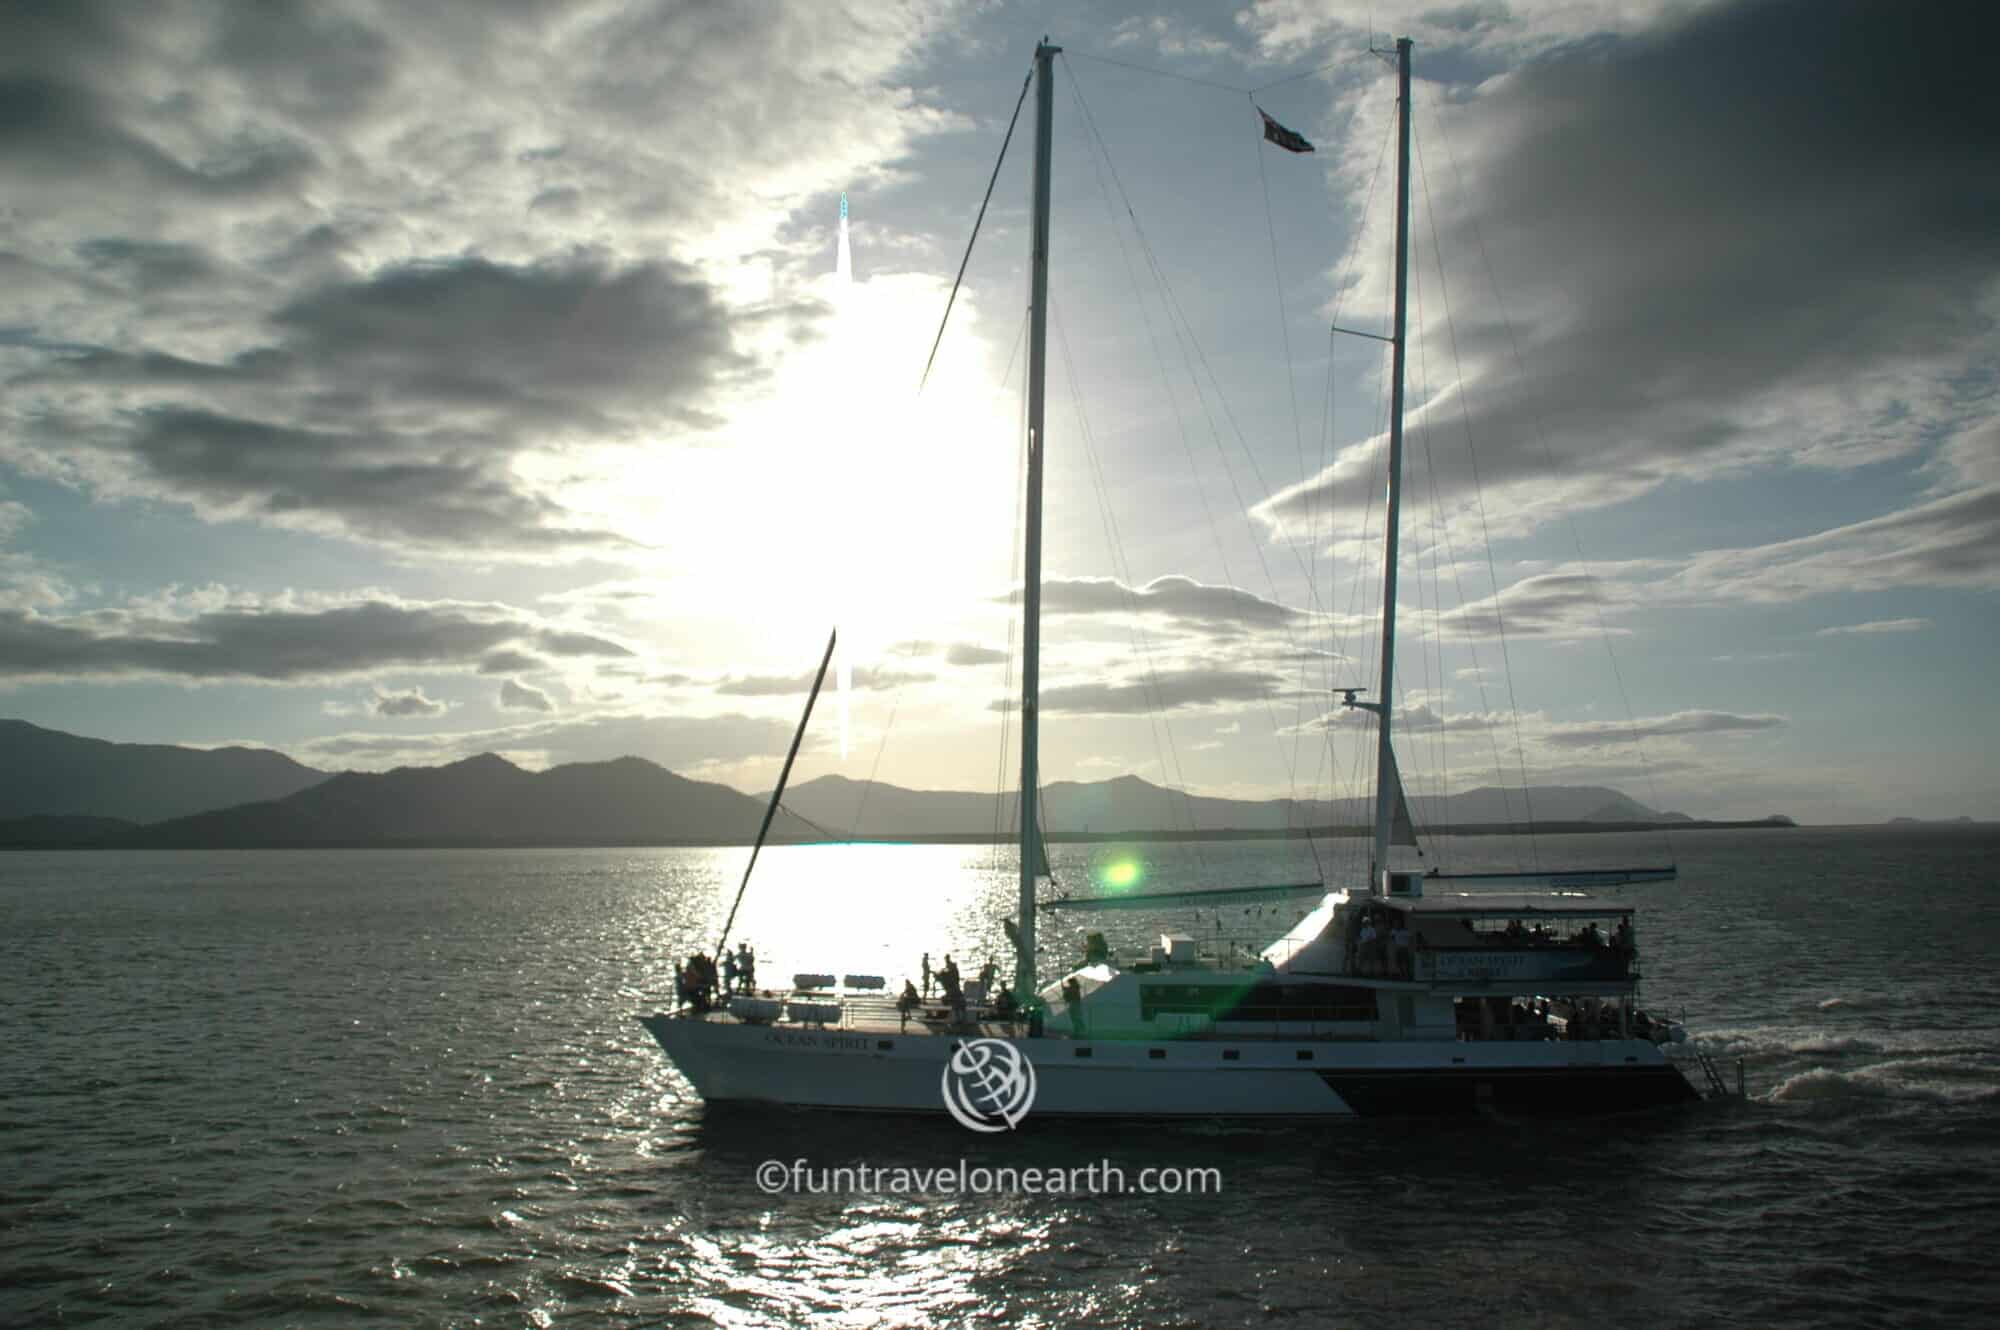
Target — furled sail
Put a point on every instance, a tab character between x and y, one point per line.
1402	831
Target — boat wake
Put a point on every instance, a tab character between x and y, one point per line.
1766	1041
1955	1081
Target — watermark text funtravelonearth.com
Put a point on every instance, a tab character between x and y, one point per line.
1104	1178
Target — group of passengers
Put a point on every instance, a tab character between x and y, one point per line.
947	980
1515	935
1381	945
701	984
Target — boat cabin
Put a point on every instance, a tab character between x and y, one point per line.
1443	965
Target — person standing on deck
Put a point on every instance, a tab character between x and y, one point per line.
927	974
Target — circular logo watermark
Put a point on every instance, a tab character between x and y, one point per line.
988	1085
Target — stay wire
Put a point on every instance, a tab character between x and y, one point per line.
1486	533
973	239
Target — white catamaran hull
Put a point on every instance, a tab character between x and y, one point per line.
730	1062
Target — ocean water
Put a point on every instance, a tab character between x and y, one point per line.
300	1089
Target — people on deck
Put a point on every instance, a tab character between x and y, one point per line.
1072	992
746	968
954	991
1399	938
927	974
1364	946
987	974
728	971
907	1003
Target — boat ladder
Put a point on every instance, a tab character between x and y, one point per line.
1717	1087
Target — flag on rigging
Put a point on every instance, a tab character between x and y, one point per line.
1288	139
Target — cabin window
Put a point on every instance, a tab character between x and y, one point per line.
1083	1052
884	1045
1305	1055
1156	1053
1231	1055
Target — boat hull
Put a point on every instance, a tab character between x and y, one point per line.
728	1062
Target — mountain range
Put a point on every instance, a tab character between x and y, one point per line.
47	772
62	790
1129	804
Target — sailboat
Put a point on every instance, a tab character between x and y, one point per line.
1412	993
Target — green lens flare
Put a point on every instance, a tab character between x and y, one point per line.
1121	875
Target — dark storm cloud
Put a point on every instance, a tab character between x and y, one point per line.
1591	734
567	340
485	355
336	266
149	266
268	645
309	61
55	134
1167	690
1745	215
420	490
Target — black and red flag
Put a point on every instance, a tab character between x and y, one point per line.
1288	139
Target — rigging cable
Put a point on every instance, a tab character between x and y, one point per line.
1576	538
1486	533
1157	717
1182	339
974	238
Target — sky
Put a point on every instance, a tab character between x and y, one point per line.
387	384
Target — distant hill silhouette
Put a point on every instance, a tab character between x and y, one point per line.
49	773
1131	804
62	791
55	831
485	800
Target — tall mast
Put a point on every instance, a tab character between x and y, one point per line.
1387	785
1031	602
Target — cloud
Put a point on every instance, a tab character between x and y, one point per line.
1948	542
411	703
786	685
578	644
521	697
510	661
1878	626
1556	604
1693	260
967	653
1187	603
1167	690
267	644
562	341
324	268
1591	734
